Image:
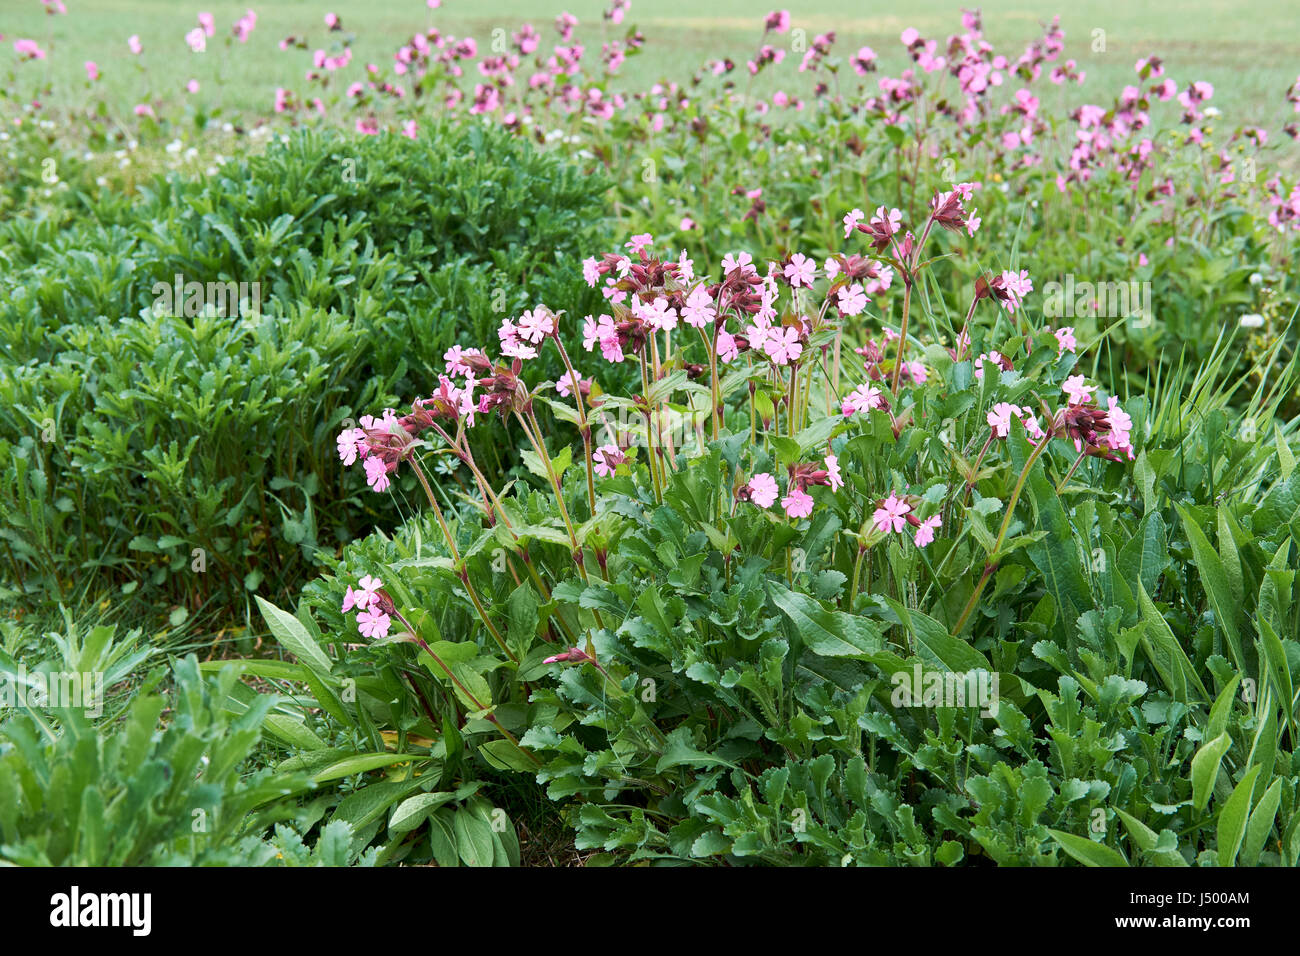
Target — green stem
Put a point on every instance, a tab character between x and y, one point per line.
991	565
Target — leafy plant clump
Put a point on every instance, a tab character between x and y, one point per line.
179	446
817	593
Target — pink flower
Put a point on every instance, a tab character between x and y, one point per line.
687	224
798	503
92	71
851	221
999	418
800	270
1030	421
455	359
607	458
29	50
742	261
852	300
783	346
133	44
1017	287
331	20
565	385
884	225
593	330
350	600
377	474
925	533
833	472
726	344
511	342
1121	426
685	267
349	443
892	514
863	398
410	128
368	591
916	372
244	26
762	490
661	317
777	20
758	331
1077	391
192	86
535	325
373	624
699	311
611	349
994	357
1065	340
197	40
590	271
639	242
207	23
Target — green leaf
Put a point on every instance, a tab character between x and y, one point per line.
473	838
294	732
952	652
1205	768
360	763
1214	577
1232	818
827	633
1261	823
1167	654
1087	852
679	750
412	812
503	755
293	637
442	839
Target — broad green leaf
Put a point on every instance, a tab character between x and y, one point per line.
952	652
1232	818
827	633
1205	768
360	763
294	732
1261	824
473	838
1214	578
679	751
1087	852
412	812
293	637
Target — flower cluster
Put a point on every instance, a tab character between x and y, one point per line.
762	489
373	606
896	513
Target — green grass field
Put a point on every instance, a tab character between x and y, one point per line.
1248	51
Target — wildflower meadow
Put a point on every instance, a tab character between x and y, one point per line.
489	435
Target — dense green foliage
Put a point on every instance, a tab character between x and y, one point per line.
654	666
191	454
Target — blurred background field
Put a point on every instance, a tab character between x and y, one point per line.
1250	52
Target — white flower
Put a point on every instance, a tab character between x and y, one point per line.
1251	320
